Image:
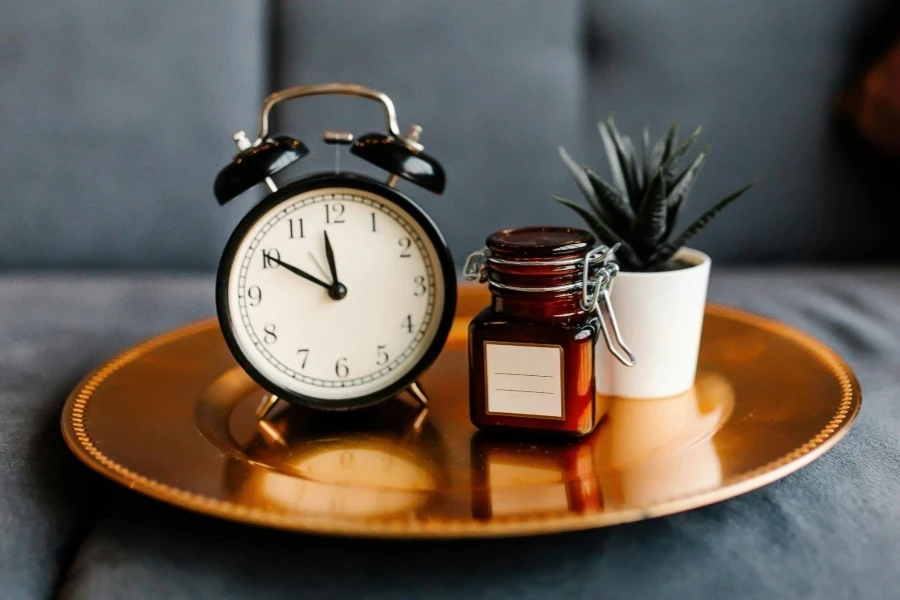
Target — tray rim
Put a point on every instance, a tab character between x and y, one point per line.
80	443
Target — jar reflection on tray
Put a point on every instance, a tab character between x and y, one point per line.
560	478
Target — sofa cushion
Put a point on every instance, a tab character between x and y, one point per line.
118	117
54	329
494	101
828	530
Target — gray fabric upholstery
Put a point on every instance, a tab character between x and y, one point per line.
116	118
496	86
762	79
830	530
499	85
54	329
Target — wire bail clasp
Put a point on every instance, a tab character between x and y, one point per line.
476	266
597	300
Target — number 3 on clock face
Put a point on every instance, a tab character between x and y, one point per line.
336	292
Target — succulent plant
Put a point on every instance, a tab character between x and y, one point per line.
640	209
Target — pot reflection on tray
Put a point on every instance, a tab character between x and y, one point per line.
645	451
651	451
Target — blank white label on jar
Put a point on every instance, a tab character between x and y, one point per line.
524	379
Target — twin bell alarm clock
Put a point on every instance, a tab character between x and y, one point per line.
336	291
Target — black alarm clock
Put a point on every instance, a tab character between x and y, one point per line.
335	291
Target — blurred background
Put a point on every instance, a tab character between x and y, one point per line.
116	117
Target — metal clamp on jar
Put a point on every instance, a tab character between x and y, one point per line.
531	352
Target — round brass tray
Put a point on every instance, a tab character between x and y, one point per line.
173	418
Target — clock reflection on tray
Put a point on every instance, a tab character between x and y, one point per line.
380	461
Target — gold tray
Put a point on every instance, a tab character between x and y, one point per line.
173	418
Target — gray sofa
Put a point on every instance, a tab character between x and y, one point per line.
117	117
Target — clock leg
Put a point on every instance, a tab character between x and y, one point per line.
414	395
265	407
415	390
262	411
420	420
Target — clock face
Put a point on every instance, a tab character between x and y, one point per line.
335	294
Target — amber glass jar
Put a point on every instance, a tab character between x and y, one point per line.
531	352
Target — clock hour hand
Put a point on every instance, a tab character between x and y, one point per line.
338	290
300	272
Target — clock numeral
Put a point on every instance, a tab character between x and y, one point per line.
305	353
270	337
373	222
254	293
419	281
347	459
340	368
404	244
407	324
383	357
268	255
334	213
295	228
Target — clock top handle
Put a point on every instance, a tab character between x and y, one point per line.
401	156
340	89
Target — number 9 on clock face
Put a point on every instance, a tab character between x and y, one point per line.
336	292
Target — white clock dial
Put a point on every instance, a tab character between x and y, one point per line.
300	334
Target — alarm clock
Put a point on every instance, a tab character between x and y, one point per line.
335	291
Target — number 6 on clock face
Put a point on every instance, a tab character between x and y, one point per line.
336	292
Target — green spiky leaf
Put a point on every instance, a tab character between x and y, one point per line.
627	256
671	166
620	211
647	152
651	223
584	184
649	189
627	159
682	188
666	251
616	168
670	142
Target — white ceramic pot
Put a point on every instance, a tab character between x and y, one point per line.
661	318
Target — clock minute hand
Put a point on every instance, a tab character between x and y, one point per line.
300	272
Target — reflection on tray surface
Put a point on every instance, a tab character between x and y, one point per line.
646	451
388	461
383	460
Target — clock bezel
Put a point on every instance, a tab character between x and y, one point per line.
388	194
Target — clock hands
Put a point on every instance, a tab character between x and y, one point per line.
302	274
338	289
